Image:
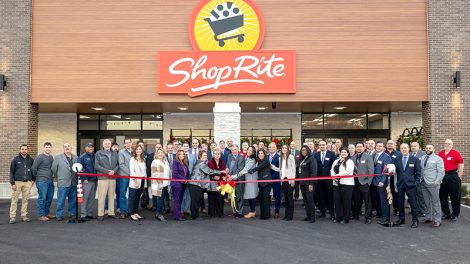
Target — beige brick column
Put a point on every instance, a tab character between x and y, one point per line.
227	121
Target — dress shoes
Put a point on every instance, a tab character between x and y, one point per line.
345	221
414	224
436	224
322	215
384	223
100	218
453	218
307	219
427	221
399	222
112	216
368	221
312	221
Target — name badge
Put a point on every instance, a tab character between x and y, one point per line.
363	161
327	158
412	165
394	156
449	158
379	162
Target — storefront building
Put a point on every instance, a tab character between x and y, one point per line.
292	70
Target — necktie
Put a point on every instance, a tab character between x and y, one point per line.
322	157
376	157
426	160
405	160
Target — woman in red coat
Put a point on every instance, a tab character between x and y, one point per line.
216	200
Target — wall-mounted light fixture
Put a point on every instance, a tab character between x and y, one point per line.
3	82
457	79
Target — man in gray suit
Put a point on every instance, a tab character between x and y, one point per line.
66	181
106	162
235	164
433	172
363	164
417	152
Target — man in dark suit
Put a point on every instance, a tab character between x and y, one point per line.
273	157
417	152
408	174
393	153
381	160
235	164
325	159
363	164
210	152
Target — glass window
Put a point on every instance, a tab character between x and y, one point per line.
88	122
345	121
152	122
312	121
378	121
120	122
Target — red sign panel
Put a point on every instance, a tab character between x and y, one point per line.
211	72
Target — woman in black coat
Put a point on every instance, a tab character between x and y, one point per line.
264	173
307	168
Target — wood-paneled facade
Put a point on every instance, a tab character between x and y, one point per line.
347	50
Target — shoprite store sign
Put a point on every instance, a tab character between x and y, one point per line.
226	36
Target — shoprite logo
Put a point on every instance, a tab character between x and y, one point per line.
226	25
227	36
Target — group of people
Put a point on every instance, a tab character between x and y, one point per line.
426	178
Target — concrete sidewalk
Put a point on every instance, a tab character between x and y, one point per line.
229	240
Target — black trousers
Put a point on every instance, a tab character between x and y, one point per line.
394	194
216	204
265	201
450	186
203	203
374	198
196	194
309	201
342	197
325	195
288	191
134	198
296	190
361	196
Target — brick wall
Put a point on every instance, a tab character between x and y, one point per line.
447	114
18	118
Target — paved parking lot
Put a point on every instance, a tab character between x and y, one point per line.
229	240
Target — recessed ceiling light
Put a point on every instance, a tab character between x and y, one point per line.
183	108
373	114
117	116
84	117
127	118
98	108
262	108
304	123
340	107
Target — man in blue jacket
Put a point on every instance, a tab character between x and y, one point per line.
408	175
394	154
274	160
87	159
381	160
325	159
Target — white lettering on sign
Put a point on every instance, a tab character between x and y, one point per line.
245	65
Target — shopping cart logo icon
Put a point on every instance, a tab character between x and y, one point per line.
228	21
223	25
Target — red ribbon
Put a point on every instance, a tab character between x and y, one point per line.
315	178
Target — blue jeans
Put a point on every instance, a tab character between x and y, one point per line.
158	202
121	200
45	196
71	194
